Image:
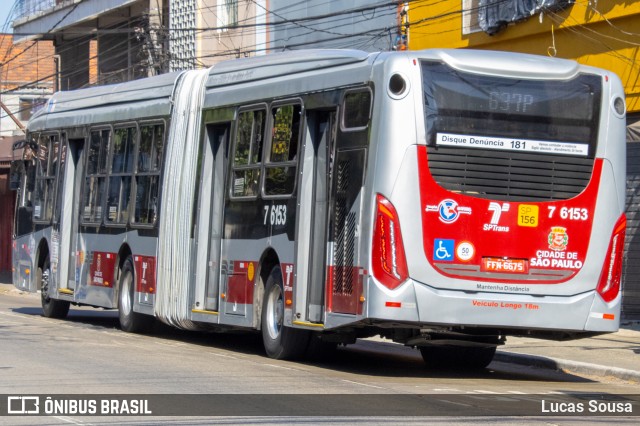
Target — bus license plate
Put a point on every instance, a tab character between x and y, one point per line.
501	264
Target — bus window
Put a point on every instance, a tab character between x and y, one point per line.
60	181
94	184
47	165
119	193
356	109
248	153
280	173
150	152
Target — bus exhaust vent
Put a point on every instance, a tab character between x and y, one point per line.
344	233
509	176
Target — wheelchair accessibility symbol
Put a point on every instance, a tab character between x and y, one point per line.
443	250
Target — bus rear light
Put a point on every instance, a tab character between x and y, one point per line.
611	275
388	258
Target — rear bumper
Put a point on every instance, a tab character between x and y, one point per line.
425	305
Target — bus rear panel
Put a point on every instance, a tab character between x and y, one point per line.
507	213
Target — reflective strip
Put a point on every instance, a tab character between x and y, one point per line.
308	324
200	311
599	315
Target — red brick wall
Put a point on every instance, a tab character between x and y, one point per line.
27	63
93	61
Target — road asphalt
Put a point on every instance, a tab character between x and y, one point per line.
613	355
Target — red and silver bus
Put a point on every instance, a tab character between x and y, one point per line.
444	199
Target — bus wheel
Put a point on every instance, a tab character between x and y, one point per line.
130	321
51	308
457	357
280	342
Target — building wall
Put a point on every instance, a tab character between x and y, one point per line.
27	74
357	24
27	71
232	32
602	34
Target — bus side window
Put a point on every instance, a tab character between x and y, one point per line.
47	165
119	193
147	178
280	172
356	110
94	184
25	170
248	153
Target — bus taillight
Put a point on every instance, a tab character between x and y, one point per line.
609	284
389	263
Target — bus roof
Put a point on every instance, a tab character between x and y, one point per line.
280	64
152	98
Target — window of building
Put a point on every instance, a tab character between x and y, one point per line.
150	151
470	23
29	106
227	14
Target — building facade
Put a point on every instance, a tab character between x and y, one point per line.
358	24
27	79
97	41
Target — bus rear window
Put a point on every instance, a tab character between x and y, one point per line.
481	111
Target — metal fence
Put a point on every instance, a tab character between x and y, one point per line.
31	7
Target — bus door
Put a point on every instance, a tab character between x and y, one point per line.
210	216
348	166
313	193
68	209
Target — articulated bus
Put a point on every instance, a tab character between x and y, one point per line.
443	199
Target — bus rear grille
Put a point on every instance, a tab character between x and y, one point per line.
509	176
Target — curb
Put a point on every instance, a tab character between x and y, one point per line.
567	365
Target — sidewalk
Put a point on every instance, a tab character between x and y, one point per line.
615	355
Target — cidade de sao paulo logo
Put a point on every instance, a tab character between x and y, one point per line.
557	255
558	238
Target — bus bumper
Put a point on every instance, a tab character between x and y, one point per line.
417	302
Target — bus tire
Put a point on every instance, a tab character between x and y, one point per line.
457	357
130	321
280	341
51	308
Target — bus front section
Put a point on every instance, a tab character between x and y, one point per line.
505	215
